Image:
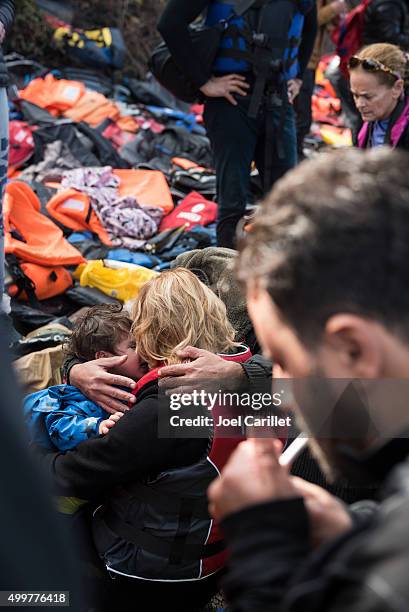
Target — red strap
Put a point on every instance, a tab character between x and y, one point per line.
142	382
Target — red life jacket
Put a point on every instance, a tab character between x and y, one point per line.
21	143
194	210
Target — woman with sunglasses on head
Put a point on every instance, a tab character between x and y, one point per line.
379	78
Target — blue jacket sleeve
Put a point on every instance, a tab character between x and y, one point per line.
7	12
68	427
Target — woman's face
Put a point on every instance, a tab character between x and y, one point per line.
373	100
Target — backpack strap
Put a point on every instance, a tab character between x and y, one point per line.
21	280
242	6
176	550
263	62
274	136
231	30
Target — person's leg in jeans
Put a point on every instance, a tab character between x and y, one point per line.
233	138
4	145
289	140
303	109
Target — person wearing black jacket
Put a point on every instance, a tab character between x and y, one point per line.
237	138
387	21
328	297
130	453
7	8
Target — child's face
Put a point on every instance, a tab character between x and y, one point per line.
133	366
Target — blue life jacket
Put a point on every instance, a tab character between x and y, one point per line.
281	21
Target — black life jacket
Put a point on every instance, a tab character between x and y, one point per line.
273	26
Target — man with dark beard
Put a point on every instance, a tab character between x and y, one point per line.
326	276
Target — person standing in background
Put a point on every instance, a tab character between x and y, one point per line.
7	11
249	96
327	13
387	21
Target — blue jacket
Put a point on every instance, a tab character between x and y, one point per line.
61	417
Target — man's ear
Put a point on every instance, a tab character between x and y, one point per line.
355	346
103	355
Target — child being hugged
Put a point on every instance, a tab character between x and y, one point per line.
61	416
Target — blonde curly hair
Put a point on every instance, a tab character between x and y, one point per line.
176	310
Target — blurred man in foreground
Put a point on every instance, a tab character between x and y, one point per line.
325	270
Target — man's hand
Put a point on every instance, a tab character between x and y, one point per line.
94	380
224	87
106	425
204	367
2	33
329	517
293	89
252	476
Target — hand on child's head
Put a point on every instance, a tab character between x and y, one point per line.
107	424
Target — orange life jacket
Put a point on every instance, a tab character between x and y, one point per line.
46	282
42	242
36	243
149	187
93	108
73	210
185	164
56	96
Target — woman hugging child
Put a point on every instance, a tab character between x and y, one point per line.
153	532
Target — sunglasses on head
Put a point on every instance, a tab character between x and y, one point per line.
371	65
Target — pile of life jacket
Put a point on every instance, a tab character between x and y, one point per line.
327	110
326	106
